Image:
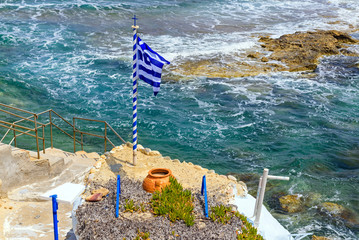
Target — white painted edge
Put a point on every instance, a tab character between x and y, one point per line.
66	193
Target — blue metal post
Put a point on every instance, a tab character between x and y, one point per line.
55	206
118	194
204	192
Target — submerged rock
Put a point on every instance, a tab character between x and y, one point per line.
312	199
331	208
300	51
291	203
340	213
273	201
320	238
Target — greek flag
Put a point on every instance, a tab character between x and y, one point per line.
148	65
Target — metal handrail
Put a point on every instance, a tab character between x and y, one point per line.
16	128
118	135
106	139
13	122
18	109
64	132
61	118
88	119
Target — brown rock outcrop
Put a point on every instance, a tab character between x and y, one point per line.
338	212
300	51
291	203
320	238
221	68
332	208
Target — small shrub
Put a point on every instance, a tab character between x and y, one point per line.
130	206
224	215
142	236
221	214
142	207
174	202
249	232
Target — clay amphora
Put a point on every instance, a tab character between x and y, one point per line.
157	179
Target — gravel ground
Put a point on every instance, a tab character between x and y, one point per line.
96	220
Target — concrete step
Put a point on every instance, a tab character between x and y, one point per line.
56	163
60	160
32	192
36	176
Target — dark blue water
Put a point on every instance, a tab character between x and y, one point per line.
75	57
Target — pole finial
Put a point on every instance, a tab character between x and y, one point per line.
134	20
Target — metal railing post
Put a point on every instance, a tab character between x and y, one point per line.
82	141
261	196
105	137
257	198
43	139
52	144
14	136
73	124
37	137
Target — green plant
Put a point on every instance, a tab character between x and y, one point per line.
130	206
249	232
175	234
142	235
221	214
174	202
142	207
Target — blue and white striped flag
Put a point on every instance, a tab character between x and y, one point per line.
148	65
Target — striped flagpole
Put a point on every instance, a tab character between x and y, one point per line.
134	93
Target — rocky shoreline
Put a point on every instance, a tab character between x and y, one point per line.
120	158
300	51
94	218
97	219
284	203
187	173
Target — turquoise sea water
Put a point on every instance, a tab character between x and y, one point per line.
75	57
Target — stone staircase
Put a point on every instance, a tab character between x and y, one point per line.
25	178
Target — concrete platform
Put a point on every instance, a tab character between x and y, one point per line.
268	227
33	220
24	214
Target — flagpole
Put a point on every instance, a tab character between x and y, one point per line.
135	92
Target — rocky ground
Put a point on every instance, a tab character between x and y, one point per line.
188	174
300	51
97	219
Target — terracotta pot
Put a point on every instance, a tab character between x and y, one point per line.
157	179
